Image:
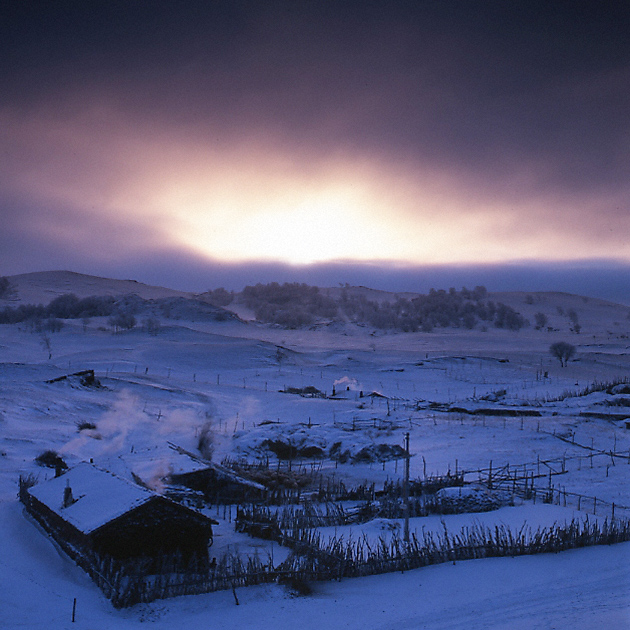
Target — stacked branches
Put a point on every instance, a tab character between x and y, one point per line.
362	557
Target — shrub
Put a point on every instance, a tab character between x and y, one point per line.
51	459
296	585
25	483
85	425
152	326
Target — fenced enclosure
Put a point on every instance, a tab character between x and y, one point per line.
294	524
312	558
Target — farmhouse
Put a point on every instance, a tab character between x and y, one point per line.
218	483
94	514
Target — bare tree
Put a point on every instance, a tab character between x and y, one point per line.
573	316
7	289
541	320
122	321
46	345
562	351
151	325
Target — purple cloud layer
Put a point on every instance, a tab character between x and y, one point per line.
489	131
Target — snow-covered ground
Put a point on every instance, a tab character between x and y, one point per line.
586	589
231	378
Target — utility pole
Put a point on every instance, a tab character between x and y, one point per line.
406	489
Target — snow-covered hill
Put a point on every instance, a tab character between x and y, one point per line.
237	379
43	286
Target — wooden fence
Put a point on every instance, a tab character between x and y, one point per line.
521	480
313	558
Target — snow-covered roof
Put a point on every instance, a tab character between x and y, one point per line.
99	496
183	464
190	463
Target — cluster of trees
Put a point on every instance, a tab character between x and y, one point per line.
219	297
439	308
121	312
39	318
294	305
291	305
574	320
541	320
67	306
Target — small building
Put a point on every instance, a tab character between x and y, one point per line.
94	514
218	483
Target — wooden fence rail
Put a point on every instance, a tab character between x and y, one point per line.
313	558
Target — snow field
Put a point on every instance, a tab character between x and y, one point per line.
166	388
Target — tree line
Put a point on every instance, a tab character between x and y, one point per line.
121	311
294	305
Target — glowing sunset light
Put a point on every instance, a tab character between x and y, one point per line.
259	201
140	137
266	203
254	214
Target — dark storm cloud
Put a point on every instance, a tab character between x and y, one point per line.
60	237
480	86
513	100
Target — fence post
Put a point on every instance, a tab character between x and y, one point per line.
406	489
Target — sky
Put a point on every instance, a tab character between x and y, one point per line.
395	144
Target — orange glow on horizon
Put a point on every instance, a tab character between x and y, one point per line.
256	200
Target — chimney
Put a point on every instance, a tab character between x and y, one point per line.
67	495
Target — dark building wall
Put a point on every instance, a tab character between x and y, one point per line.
218	489
68	536
156	527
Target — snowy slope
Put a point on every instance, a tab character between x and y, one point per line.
43	286
231	378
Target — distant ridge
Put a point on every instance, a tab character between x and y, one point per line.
42	287
560	311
